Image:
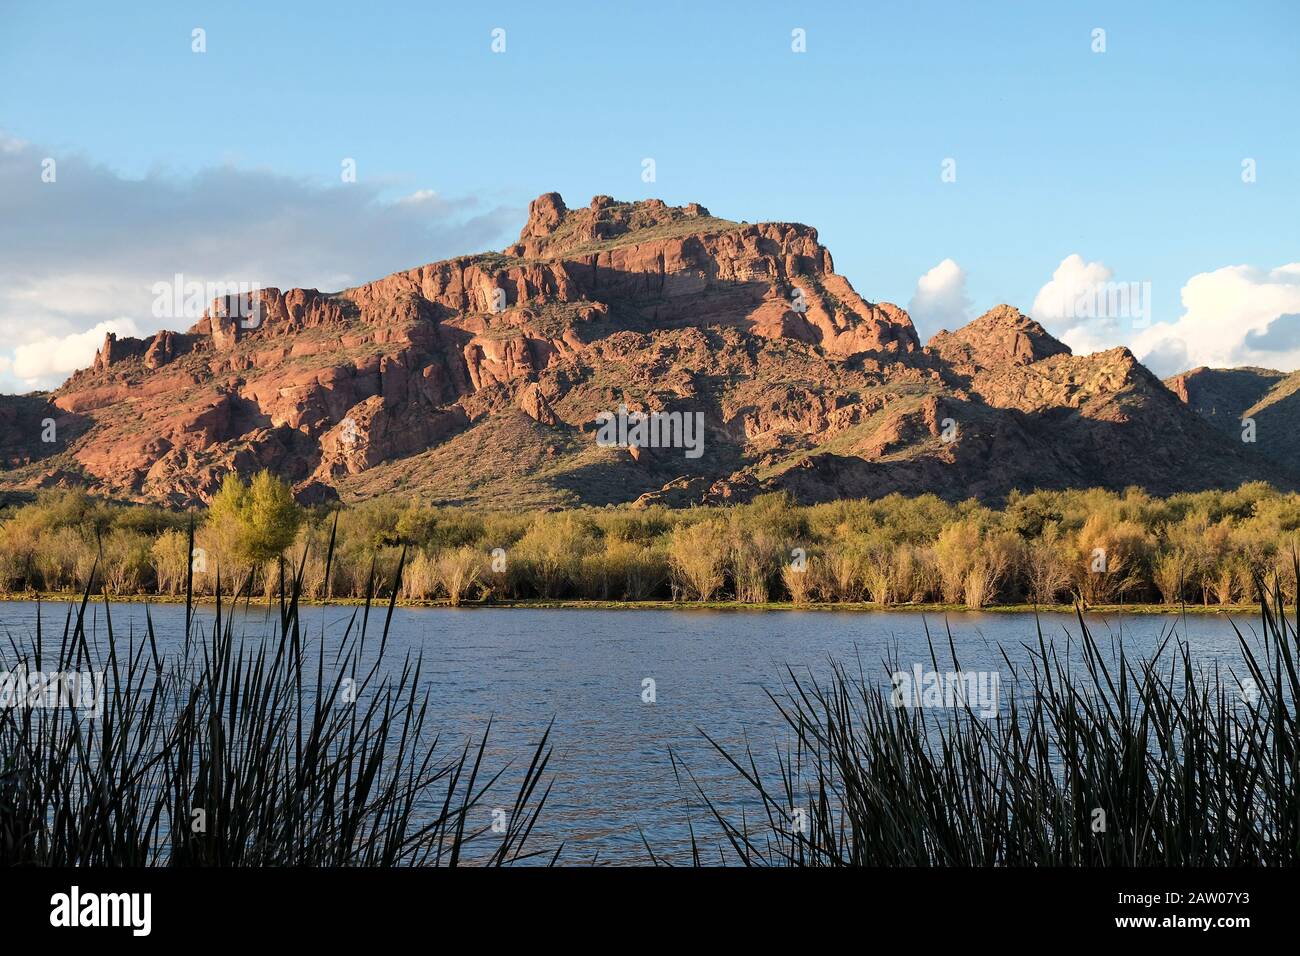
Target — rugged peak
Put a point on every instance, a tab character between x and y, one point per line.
554	230
117	350
477	379
1005	318
1001	336
545	213
1005	315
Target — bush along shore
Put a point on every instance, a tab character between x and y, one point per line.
1046	548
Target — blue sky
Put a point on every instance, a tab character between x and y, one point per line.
1130	159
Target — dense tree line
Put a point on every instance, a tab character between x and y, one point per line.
1043	547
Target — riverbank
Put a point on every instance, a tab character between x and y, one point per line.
737	606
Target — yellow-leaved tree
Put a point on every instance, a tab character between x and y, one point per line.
251	524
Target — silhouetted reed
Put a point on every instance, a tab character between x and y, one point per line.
1095	761
247	752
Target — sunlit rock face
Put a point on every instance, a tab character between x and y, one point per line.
480	379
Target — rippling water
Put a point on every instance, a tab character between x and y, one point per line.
586	668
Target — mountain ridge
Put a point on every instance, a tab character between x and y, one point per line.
479	380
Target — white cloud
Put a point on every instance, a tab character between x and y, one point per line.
1237	315
1055	302
940	300
1073	306
427	196
86	250
59	356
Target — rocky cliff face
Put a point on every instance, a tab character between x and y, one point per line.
482	379
1258	408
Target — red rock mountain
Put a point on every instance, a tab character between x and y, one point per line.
480	380
1258	407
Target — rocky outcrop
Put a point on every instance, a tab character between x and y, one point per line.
481	378
532	402
116	350
1255	408
1002	336
1225	395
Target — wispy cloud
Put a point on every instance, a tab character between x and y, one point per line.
84	251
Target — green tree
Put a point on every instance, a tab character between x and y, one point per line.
258	521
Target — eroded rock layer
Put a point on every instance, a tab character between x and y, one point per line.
482	378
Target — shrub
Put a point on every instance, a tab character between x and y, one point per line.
892	550
170	554
458	570
1111	554
913	576
697	554
257	521
56	558
753	559
420	578
845	572
551	552
799	580
1047	562
128	562
955	551
643	569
